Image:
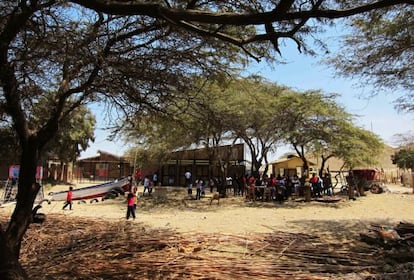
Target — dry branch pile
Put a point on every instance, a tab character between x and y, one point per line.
398	247
80	248
402	235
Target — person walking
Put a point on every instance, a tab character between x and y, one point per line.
68	199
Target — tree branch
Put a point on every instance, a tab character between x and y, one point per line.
277	15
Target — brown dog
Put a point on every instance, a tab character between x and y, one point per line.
216	196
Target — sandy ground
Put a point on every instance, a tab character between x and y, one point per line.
236	215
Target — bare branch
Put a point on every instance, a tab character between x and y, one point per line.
281	14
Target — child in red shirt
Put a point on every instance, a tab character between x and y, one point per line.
68	199
131	204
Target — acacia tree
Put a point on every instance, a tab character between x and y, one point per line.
130	54
252	104
226	110
309	120
380	50
361	148
73	137
200	118
71	56
240	108
208	121
404	157
9	145
354	145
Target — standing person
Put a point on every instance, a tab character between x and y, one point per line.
146	185
151	185
130	179
240	185
229	183
327	184
272	185
188	184
320	187
212	183
236	185
199	185
68	199
244	186
296	185
314	183
251	192
138	177
131	206
187	176
190	189
155	179
280	189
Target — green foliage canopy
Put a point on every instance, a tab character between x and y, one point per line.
133	55
404	158
379	50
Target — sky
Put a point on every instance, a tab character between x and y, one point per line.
302	72
374	113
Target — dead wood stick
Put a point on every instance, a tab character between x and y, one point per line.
286	247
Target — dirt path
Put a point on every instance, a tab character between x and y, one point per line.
236	215
235	232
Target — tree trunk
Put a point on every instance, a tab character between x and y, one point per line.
301	154
255	168
324	160
10	268
61	171
10	240
305	167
